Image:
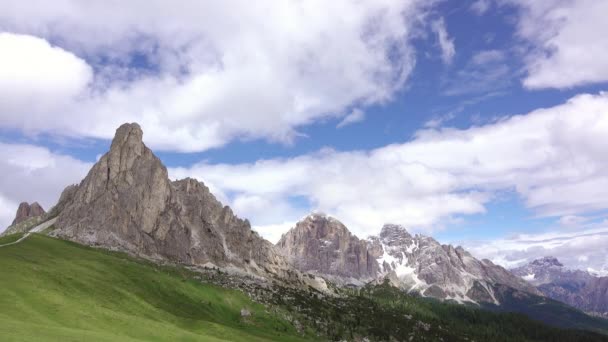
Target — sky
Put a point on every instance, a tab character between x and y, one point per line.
482	123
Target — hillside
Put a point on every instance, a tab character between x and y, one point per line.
54	290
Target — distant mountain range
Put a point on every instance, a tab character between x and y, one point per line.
580	289
417	264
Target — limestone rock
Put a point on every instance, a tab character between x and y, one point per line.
66	197
578	288
323	245
127	202
423	265
26	211
245	313
417	263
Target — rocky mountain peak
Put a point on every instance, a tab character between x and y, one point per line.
578	288
547	261
26	211
414	263
127	202
323	245
393	234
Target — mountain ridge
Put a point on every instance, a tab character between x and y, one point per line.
578	288
417	264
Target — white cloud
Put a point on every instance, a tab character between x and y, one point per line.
36	78
216	71
568	40
32	173
554	158
357	115
578	250
445	43
273	232
480	7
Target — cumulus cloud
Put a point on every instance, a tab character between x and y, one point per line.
582	249
36	78
32	173
273	232
446	44
554	158
567	41
197	75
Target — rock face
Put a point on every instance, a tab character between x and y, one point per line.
323	245
421	264
574	287
127	202
414	263
26	211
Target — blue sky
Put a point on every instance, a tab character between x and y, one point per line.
472	121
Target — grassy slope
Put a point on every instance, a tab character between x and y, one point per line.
53	290
10	238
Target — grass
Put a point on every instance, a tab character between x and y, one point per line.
54	290
10	238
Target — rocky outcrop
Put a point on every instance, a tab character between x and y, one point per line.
127	202
26	211
574	287
419	264
323	245
66	197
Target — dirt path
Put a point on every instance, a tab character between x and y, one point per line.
37	229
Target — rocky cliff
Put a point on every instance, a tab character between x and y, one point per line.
26	211
574	287
323	245
127	202
419	264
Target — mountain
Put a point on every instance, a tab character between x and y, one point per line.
324	246
28	216
26	211
127	202
574	287
419	263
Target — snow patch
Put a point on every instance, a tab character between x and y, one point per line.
529	277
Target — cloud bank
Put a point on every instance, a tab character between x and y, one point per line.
32	173
567	42
198	74
553	158
584	249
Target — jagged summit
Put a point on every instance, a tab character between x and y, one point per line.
127	202
323	245
414	263
547	261
393	234
578	288
26	211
